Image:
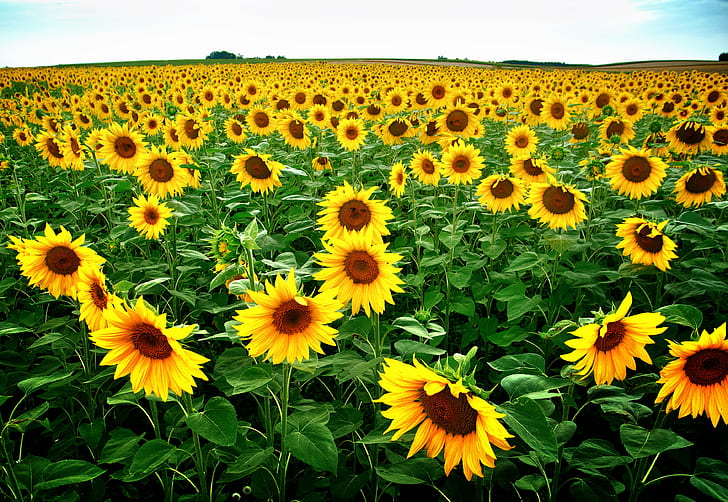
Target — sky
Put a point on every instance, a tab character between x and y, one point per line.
45	32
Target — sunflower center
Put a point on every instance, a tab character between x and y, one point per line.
75	147
580	130
354	215
535	106
558	200
373	110
557	111
292	317
300	98
647	243
690	133
636	169
151	342
400	178
427	166
295	127
191	129
173	134
151	216
461	164
361	267
713	96
602	100
396	100
420	99
612	338
453	414
62	260
257	168
531	168
283	104
397	127
438	92
707	366
700	183
53	148
319	99
98	296
668	107
522	141
502	188
261	119
161	171
720	137
236	129
615	128
457	120
322	161
125	147
351	133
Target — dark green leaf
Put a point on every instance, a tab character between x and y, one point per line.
523	363
526	419
121	446
414	471
411	325
150	456
248	461
34	383
406	348
532	386
685	315
310	441
218	423
67	472
640	442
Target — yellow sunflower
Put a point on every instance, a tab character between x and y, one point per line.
425	168
644	242
70	144
234	130
360	272
521	142
294	131
149	217
438	93
49	148
635	173
458	120
699	186
555	112
557	205
285	325
141	345
615	126
52	261
171	137
688	137
698	378
347	210
531	170
462	164
500	193
260	121
23	136
121	148
319	115
321	163
718	139
351	133
395	130
397	179
94	298
160	173
448	415
607	349
256	170
192	130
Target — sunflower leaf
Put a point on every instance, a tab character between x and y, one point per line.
640	442
218	423
310	441
684	315
526	418
67	472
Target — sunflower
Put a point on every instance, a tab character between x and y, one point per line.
644	242
531	111
23	136
397	179
347	210
171	138
351	133
462	164
450	416
394	130
49	148
424	166
718	139
438	93
160	173
698	378
149	217
321	163
256	170
319	115
294	131
615	126
521	142
285	325
688	137
395	100
121	148
555	112
53	261
94	298
531	170
580	132
632	109
557	205
192	130
73	154
609	348
500	193
458	120
141	345
260	121
699	186
634	173
234	130
360	272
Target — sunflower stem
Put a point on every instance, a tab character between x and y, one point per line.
284	456
164	479
377	334
20	201
102	188
199	461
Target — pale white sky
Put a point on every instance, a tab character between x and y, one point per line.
45	32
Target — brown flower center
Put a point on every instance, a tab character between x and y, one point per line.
457	120
535	106
319	99
420	99
361	267
351	133
236	129
647	243
580	130
636	169
557	111
151	216
99	296
690	133
191	129
173	134
151	342
300	98
602	100
461	164
558	200
257	168
282	104
292	317
354	215
295	127
612	338
53	148
427	166
522	141
125	147
438	92
397	127
531	168
261	119
713	96
707	367
62	260
453	414
616	127
668	107
161	171
502	188
700	183
720	137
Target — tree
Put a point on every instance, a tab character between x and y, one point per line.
723	56
221	55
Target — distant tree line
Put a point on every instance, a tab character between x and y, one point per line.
723	56
230	55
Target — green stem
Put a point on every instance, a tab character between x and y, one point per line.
376	334
285	456
199	461
9	468
20	201
164	478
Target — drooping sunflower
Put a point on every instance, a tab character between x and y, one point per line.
718	139
52	261
531	170
70	144
500	193
321	163
397	179
697	381
608	348
557	205
171	137
49	148
394	131
688	137
94	298
424	166
351	133
285	325
160	173
461	163
121	148
448	415
359	271
555	112
23	136
260	121
192	130
521	142
257	170
348	210
458	120
294	131
699	186
580	132
635	173
142	346
149	217
644	242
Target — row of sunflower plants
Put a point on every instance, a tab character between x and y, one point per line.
349	282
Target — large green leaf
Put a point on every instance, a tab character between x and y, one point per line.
122	445
150	456
247	462
526	418
533	386
640	442
595	454
34	383
684	315
414	471
519	363
67	472
310	441
711	478
218	423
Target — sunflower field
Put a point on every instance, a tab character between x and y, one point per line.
335	282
